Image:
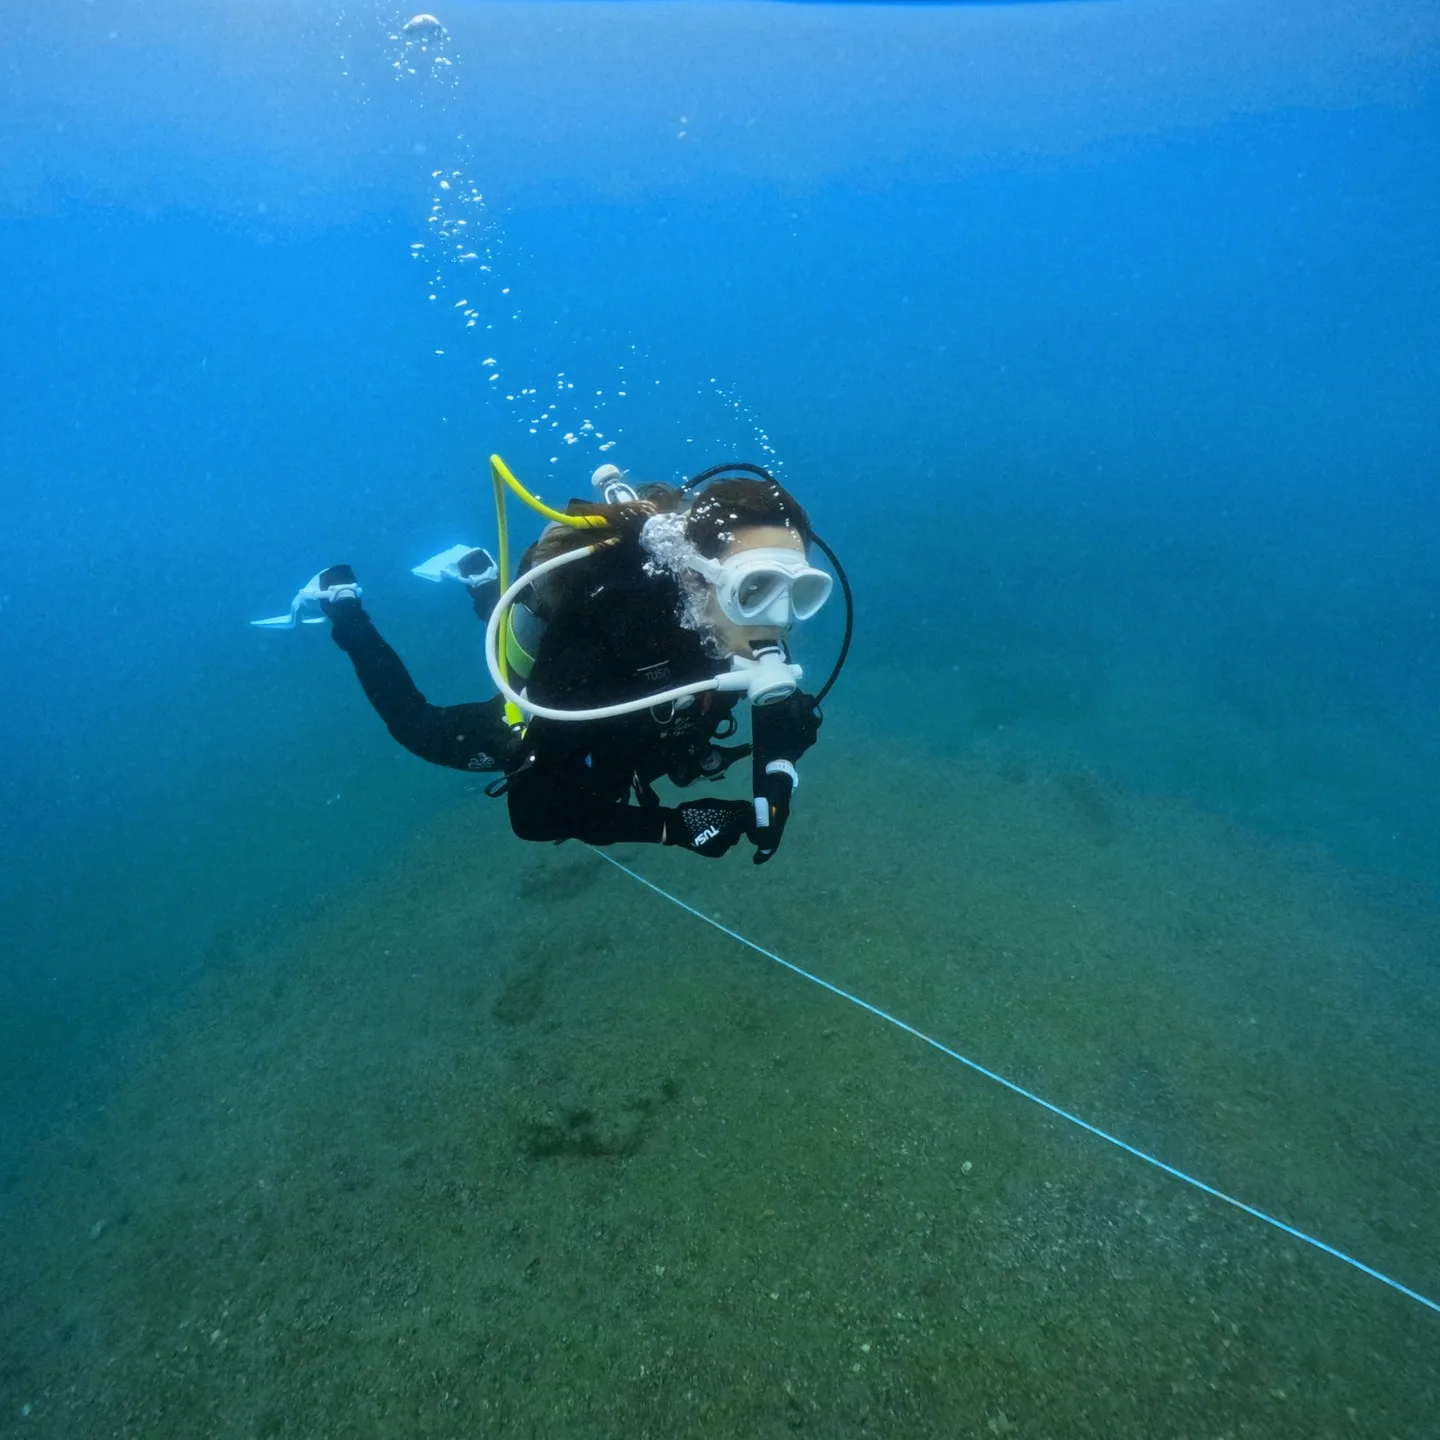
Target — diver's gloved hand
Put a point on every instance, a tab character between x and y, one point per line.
773	790
708	827
783	732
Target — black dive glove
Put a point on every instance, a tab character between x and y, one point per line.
783	733
771	809
708	827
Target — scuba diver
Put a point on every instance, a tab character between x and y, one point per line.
637	624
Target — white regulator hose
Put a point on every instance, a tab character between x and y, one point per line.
765	679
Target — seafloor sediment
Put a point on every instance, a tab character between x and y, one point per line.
508	1145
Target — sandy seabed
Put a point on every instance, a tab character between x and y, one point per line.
508	1145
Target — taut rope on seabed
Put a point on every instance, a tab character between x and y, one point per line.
1020	1090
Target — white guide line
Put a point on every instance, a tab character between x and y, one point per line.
1028	1094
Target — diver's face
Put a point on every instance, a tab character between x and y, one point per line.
737	639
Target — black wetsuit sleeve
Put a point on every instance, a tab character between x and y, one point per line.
463	737
785	730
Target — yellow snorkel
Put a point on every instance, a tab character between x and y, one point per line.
503	478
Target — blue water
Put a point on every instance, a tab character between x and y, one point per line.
1101	341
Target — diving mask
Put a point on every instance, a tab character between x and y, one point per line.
765	586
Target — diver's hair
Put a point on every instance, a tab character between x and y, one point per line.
621	522
623	525
727	505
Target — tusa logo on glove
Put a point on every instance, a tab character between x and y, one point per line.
705	836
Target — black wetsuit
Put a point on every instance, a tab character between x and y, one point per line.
617	637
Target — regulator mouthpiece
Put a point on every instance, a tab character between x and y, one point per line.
768	675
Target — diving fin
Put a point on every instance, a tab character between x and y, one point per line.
336	583
469	564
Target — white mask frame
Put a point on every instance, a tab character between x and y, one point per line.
770	585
